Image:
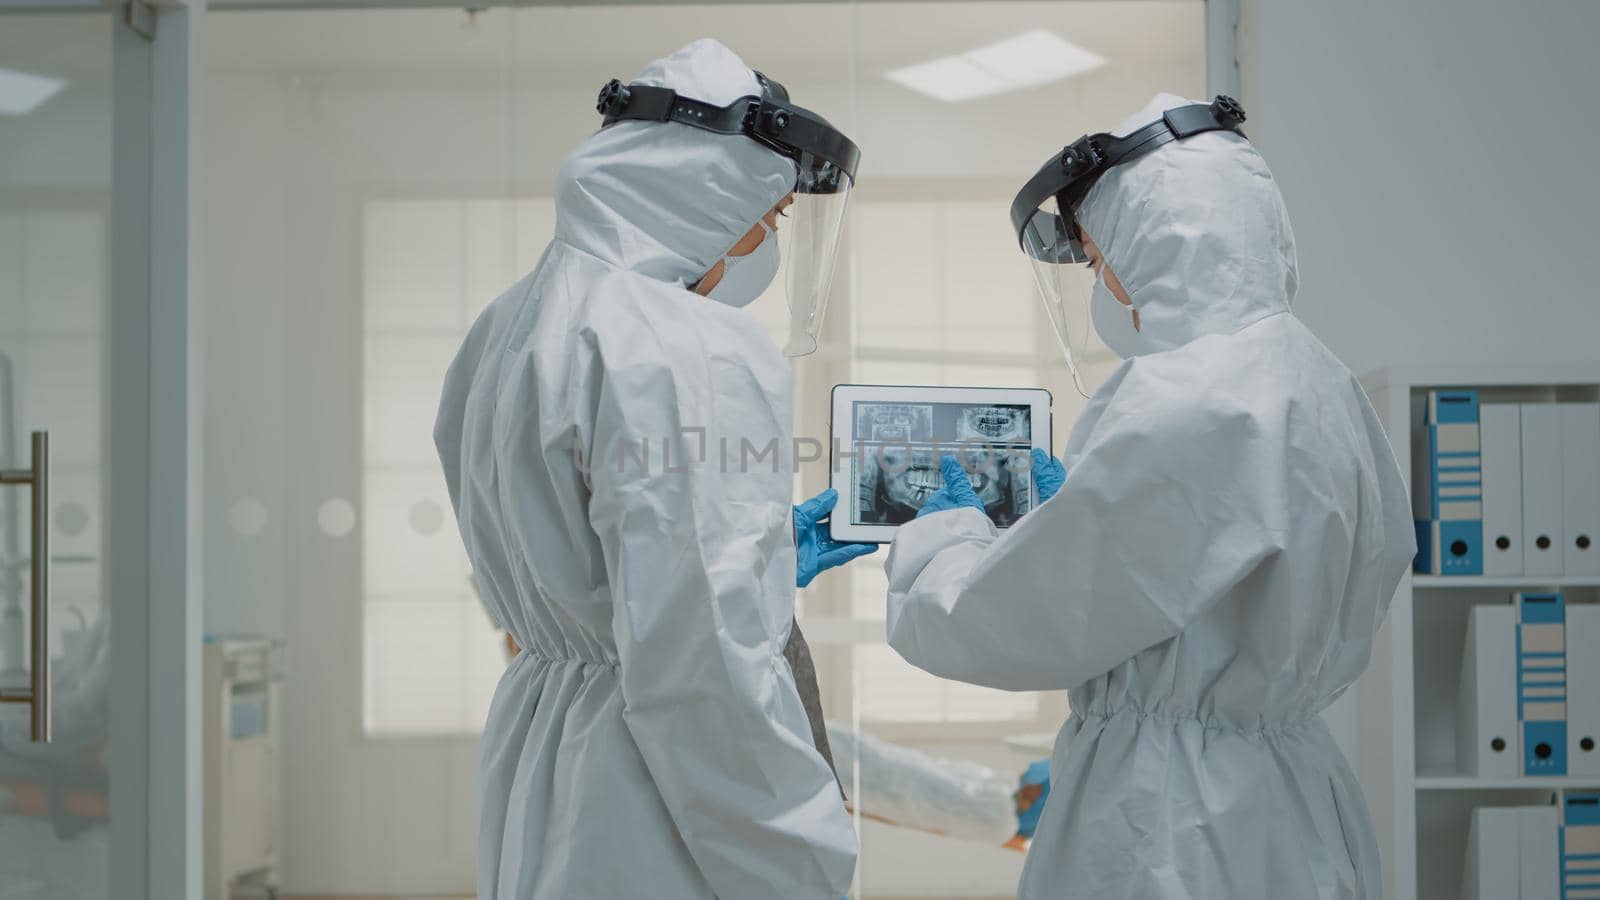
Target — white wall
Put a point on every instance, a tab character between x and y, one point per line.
1438	159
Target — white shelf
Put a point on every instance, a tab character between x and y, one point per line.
1453	781
1421	816
1510	581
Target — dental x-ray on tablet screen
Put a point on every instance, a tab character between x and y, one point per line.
887	442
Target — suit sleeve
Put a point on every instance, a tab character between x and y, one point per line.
1158	518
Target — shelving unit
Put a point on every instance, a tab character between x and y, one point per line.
1421	804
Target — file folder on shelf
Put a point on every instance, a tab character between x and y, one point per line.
1583	690
1579	844
1500	427
1542	505
1580	488
1539	856
1542	683
1447	486
1494	844
1487	738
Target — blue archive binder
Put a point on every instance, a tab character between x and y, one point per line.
1579	838
1449	482
1542	683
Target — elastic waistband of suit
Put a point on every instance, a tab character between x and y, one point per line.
1263	728
544	656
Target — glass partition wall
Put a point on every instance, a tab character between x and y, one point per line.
375	177
56	104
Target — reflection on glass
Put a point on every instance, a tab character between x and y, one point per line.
376	176
55	154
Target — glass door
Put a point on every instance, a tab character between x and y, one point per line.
55	202
374	177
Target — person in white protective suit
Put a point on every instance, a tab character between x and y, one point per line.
649	739
1212	572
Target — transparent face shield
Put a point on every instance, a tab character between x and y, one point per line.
1066	284
1042	215
811	234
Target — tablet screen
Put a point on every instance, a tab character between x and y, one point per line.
899	446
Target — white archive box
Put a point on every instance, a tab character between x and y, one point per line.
1583	689
1545	852
1494	844
1486	728
1543	514
1580	844
1539	855
1580	489
1500	435
1541	648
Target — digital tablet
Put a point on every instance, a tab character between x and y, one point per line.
887	441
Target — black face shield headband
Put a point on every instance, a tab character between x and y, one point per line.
826	159
1052	235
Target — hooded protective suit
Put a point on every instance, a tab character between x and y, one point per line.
1210	577
649	740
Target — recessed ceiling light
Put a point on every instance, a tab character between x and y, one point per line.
950	78
23	92
1037	57
1028	60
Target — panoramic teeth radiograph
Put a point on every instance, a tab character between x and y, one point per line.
994	423
902	444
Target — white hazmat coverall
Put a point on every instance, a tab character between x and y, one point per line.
648	741
1210	577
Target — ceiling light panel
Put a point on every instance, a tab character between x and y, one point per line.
1028	60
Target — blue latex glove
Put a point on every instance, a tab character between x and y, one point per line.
1032	790
1048	474
954	493
815	550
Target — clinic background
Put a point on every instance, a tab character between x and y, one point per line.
373	177
397	186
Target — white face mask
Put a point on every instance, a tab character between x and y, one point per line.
745	277
1113	321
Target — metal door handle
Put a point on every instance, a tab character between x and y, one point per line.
37	694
